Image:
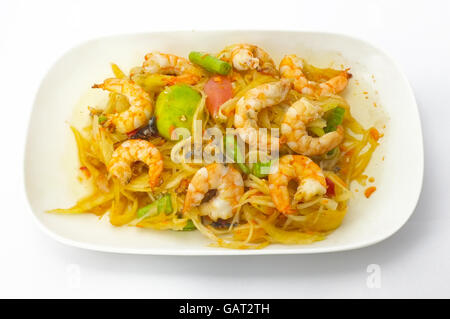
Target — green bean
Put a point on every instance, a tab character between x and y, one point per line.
259	169
318	131
165	205
189	226
162	205
334	118
102	119
210	63
234	152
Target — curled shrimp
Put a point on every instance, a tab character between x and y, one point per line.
246	57
293	128
248	106
132	151
179	69
291	67
140	108
228	183
310	178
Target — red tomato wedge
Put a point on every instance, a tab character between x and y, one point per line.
218	90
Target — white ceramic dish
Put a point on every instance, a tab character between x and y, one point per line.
51	162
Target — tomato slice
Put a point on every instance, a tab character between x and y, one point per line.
218	90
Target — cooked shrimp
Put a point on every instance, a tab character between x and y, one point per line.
245	57
228	183
182	70
140	108
311	181
248	106
293	127
291	67
132	151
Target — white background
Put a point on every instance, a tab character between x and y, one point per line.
415	262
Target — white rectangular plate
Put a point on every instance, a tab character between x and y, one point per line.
51	162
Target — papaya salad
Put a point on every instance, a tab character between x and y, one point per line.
229	144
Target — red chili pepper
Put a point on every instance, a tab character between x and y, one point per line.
86	172
370	191
130	134
330	187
